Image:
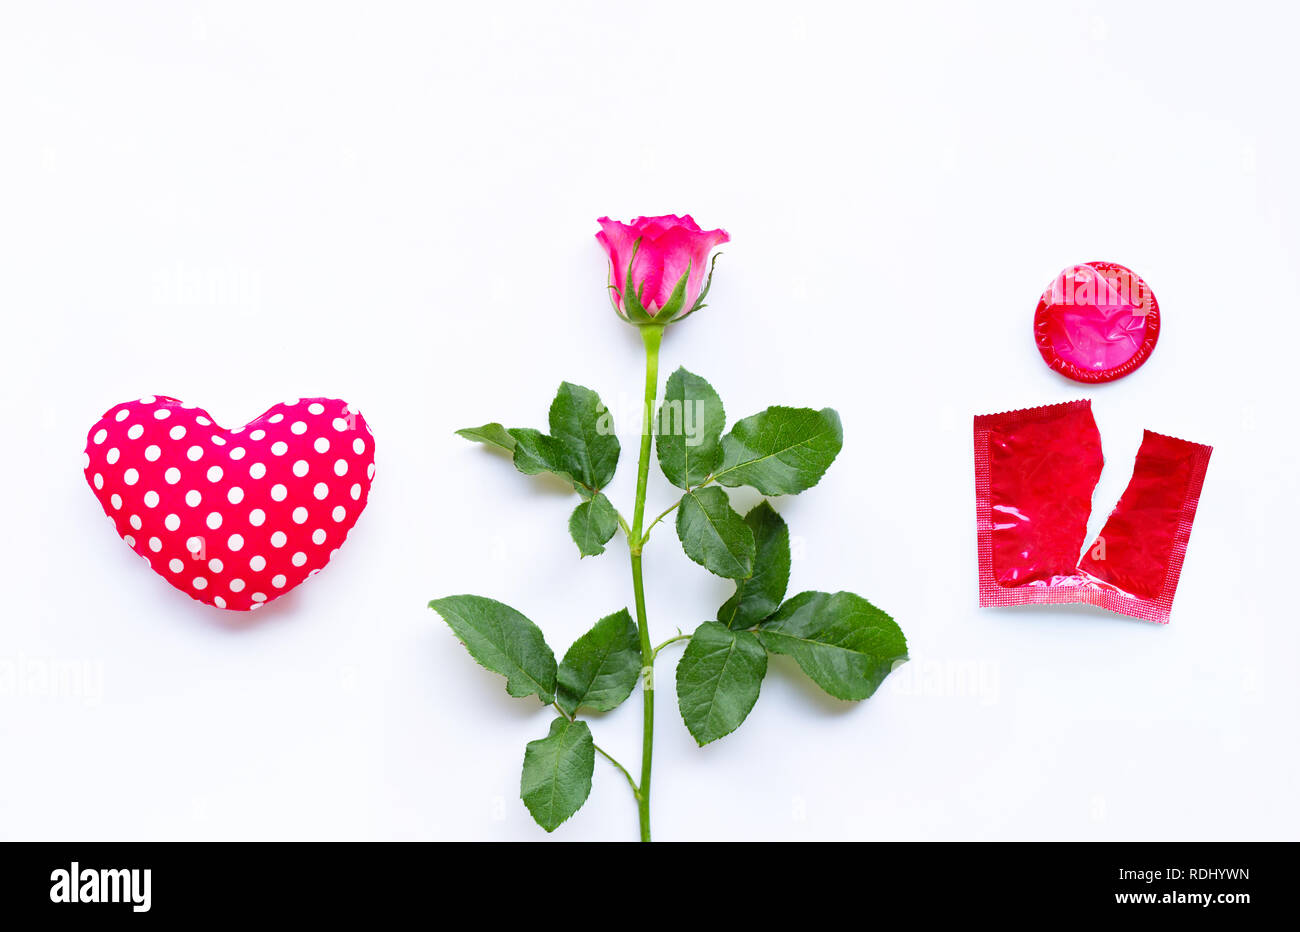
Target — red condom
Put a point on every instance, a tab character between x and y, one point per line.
1096	322
1035	472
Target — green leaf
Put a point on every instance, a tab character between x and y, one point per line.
535	452
759	595
584	431
688	429
592	524
600	669
713	535
846	644
504	641
781	451
581	448
718	679
557	773
492	434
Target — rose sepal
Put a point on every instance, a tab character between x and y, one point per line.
708	283
631	308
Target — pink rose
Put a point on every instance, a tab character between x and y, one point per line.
665	258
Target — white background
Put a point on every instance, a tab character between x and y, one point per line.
395	204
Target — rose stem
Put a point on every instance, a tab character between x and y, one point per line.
651	336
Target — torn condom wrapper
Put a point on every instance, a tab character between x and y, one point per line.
1035	472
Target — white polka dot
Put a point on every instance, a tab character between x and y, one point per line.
300	468
202	421
172	475
300	515
152	452
279	448
299	558
257	470
339	513
275	418
200	582
130	541
113	455
318	536
123	414
136	431
236	542
148	400
278	580
85	460
340	424
99	479
312	573
214	473
356	491
257	563
214	520
216	565
172	522
257	517
235	495
279	492
219	441
370	471
193	497
299	427
218	601
279	539
177	432
316	408
163	414
358	446
195	453
100	436
320	490
175	565
236	585
257	435
151	499
258	597
130	477
322	445
237	453
136	522
155	544
194	545
340	467
116	500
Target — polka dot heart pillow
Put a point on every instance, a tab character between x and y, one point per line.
233	518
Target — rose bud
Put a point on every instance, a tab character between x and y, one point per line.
657	266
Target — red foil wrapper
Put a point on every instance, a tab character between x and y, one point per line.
1035	472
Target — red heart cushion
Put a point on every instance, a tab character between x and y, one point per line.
233	518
